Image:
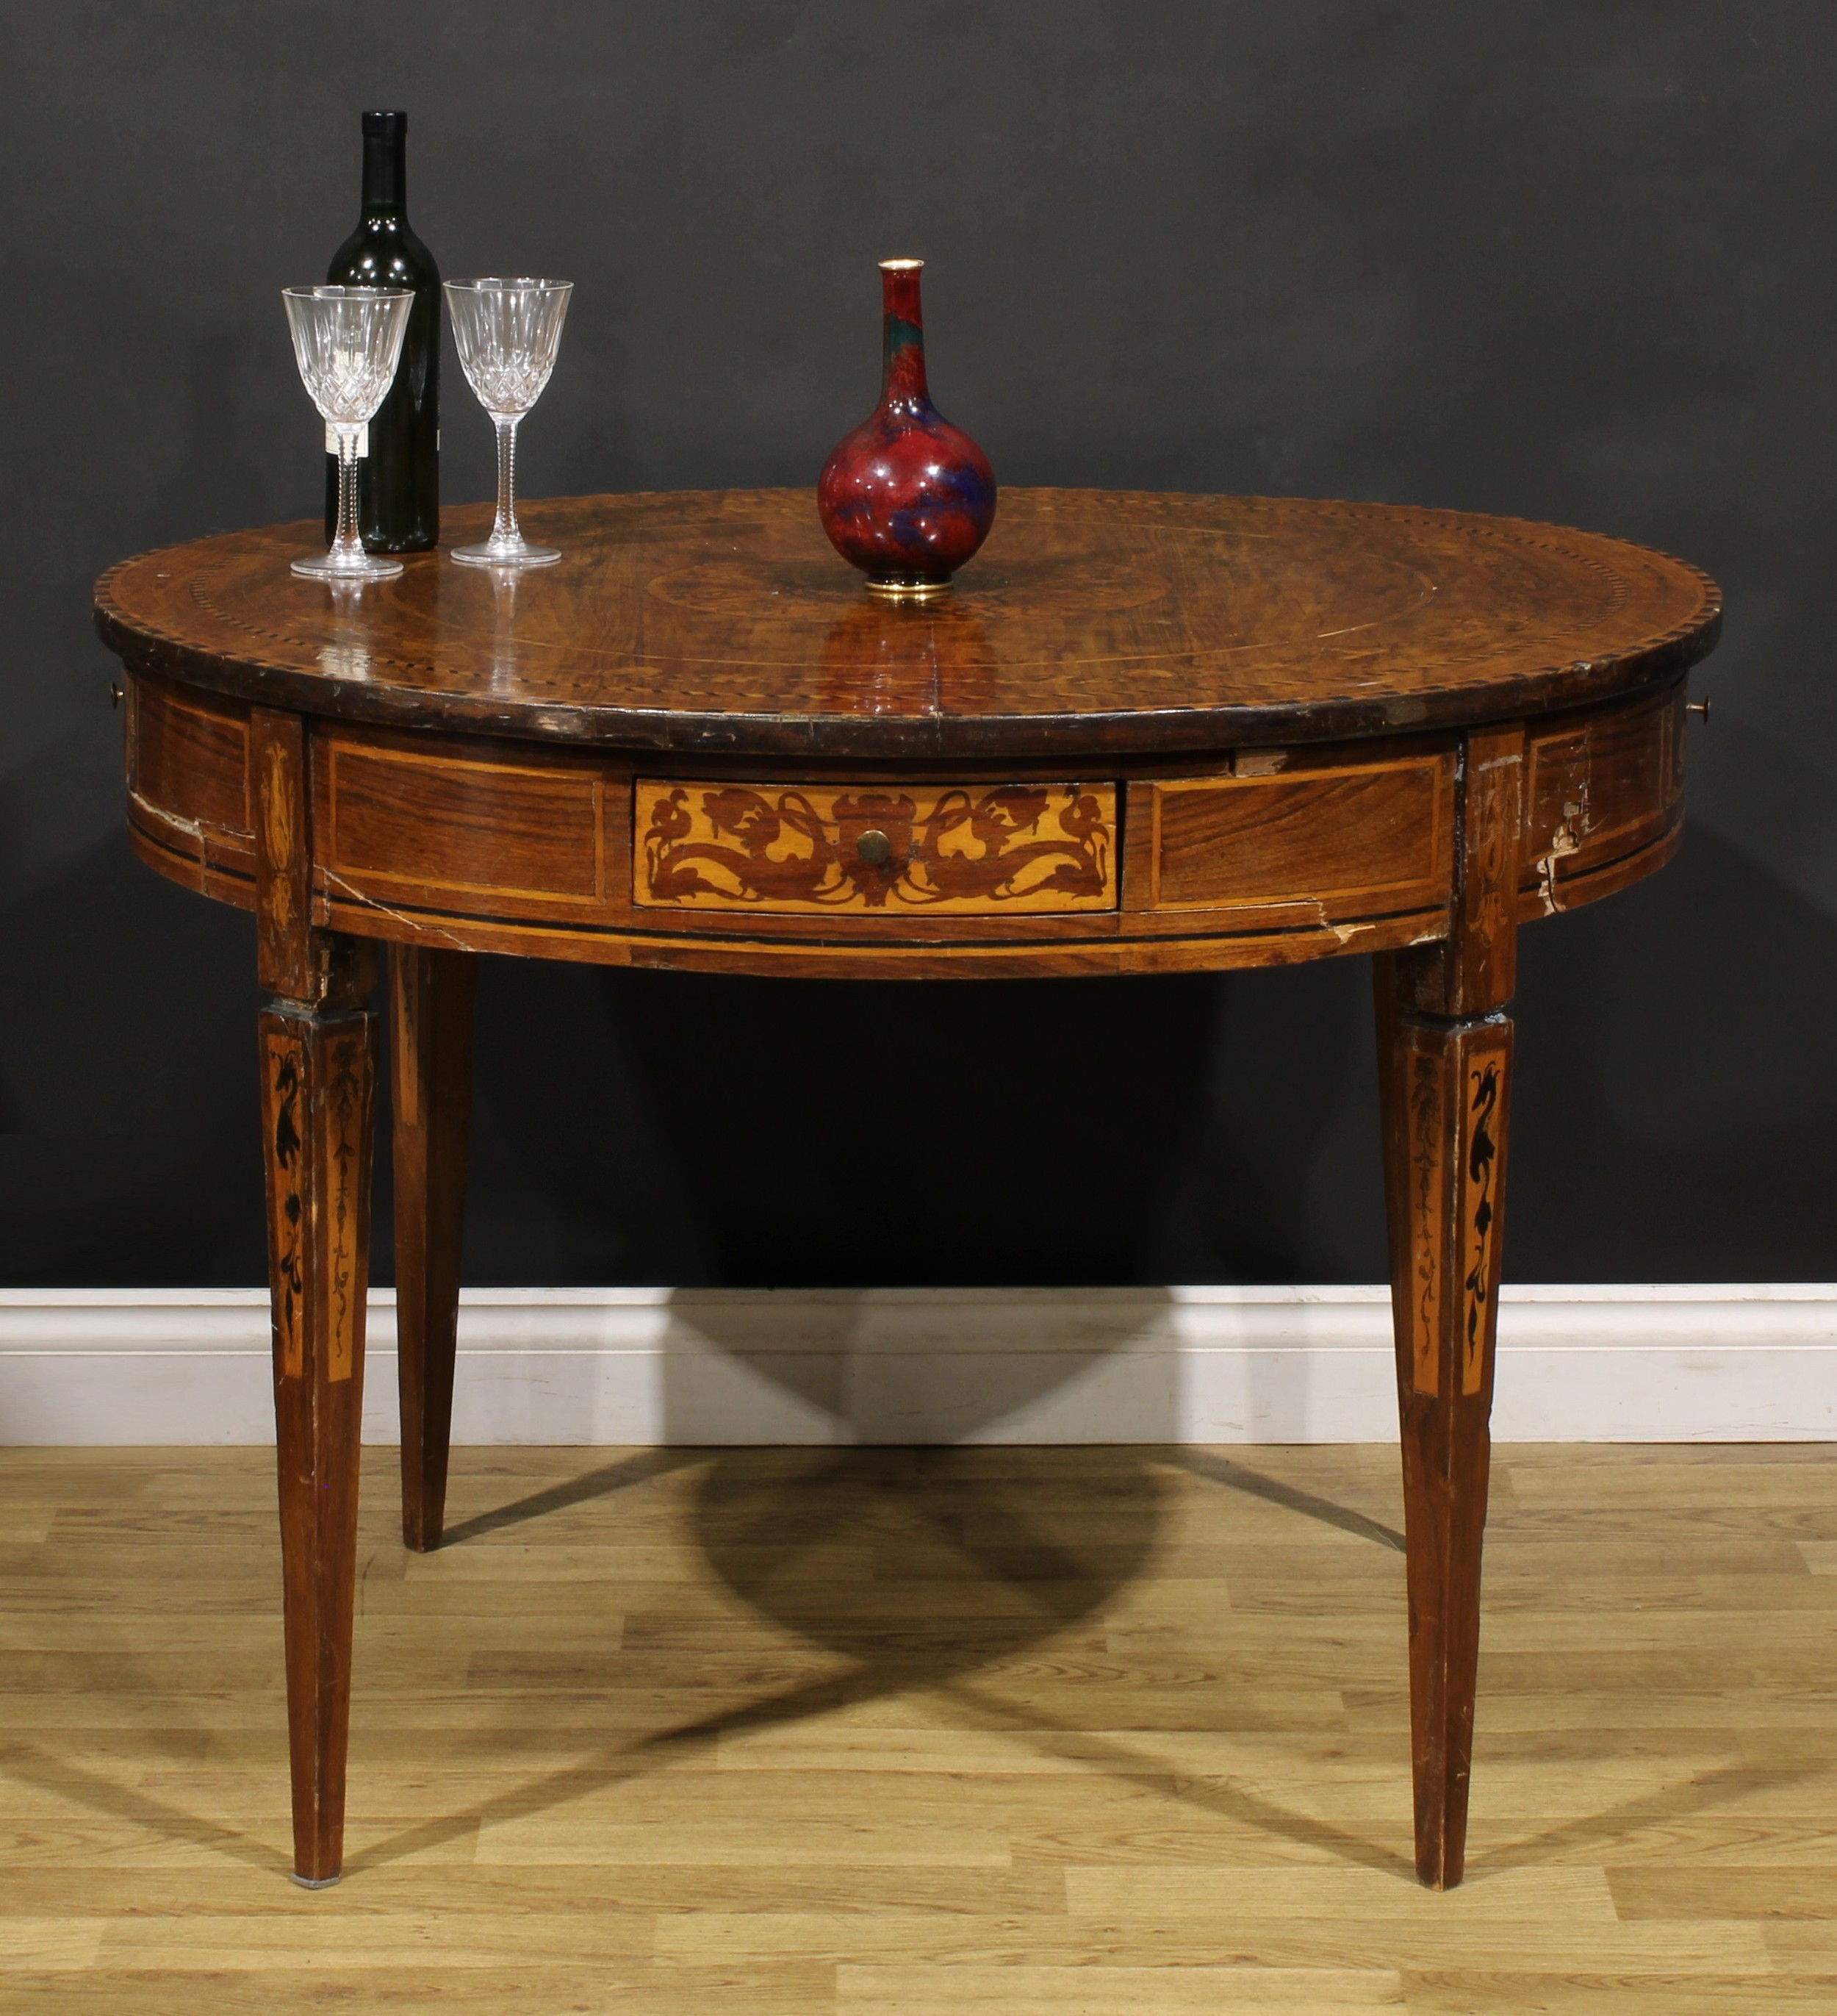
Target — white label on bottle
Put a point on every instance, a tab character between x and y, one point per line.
332	440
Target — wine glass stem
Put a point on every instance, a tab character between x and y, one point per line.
346	545
504	532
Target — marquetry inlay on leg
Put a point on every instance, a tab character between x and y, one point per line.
1453	1087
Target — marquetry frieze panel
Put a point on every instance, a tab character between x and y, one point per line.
443	823
964	849
188	756
1359	840
1601	787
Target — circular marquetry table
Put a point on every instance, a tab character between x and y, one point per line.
1144	734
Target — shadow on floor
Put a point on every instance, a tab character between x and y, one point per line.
933	1568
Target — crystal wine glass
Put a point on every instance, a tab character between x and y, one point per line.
348	341
507	333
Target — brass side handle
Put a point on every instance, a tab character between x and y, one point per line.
114	692
1700	708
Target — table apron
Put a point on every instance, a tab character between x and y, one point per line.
1246	858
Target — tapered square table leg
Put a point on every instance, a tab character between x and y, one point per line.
1444	1044
318	1042
318	1077
431	995
1447	1090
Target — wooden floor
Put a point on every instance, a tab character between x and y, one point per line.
1030	1732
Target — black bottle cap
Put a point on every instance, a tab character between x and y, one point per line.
386	153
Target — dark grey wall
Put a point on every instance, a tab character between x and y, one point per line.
1564	258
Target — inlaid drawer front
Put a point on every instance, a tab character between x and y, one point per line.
1366	840
961	848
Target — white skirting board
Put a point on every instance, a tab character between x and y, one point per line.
1753	1363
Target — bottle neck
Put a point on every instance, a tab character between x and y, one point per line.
904	325
386	172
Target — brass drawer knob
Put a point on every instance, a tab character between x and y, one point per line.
874	848
1700	708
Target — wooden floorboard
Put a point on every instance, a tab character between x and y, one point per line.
897	1732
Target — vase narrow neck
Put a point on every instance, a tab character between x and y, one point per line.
905	337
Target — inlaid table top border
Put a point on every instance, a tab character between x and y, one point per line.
718	622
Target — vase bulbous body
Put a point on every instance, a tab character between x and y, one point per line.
905	496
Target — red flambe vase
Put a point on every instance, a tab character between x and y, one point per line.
906	497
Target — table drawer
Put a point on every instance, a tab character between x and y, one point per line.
818	849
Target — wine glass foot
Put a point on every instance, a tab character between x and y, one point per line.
335	567
512	553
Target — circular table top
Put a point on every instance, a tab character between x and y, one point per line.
721	621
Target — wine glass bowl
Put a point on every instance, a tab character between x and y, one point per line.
507	332
347	342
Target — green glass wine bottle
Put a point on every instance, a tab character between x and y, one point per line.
399	476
